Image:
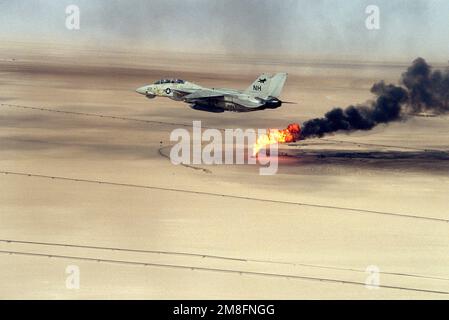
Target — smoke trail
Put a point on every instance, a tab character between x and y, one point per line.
425	90
428	90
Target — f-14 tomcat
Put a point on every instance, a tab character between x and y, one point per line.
261	94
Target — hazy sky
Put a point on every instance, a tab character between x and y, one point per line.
408	28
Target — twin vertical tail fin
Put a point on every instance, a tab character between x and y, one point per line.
267	85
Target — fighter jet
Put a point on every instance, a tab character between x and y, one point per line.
261	94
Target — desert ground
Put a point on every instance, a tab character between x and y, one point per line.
85	181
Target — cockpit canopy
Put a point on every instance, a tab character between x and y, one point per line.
162	81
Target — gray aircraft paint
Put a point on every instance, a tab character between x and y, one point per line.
262	94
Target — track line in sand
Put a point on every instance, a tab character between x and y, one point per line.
98	115
381	145
231	271
182	164
209	256
224	195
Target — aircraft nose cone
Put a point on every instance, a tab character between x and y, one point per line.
141	90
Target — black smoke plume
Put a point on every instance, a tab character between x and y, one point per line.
424	90
428	90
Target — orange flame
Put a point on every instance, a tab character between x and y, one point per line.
290	134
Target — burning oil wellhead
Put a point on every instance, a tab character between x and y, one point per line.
422	90
290	134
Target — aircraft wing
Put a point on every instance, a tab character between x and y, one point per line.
204	94
182	92
199	94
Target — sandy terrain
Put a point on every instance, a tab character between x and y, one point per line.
95	174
